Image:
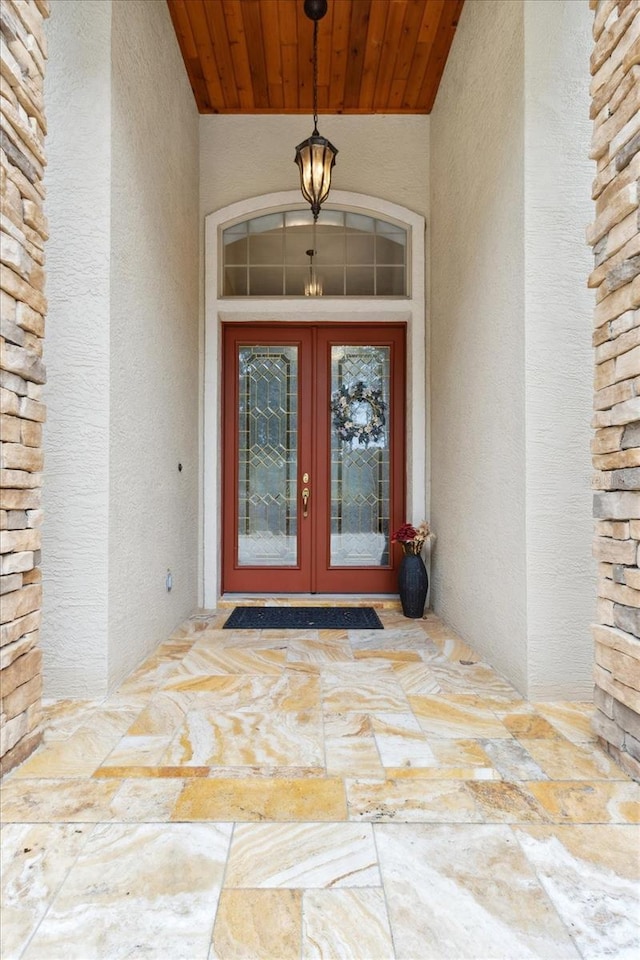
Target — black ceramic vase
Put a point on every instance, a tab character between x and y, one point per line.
413	583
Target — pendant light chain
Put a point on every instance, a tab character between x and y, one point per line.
315	78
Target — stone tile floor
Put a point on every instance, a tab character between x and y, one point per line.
364	794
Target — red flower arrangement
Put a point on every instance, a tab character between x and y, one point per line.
412	539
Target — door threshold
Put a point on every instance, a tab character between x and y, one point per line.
379	601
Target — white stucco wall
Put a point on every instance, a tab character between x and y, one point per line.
153	507
511	341
246	156
477	337
122	342
76	436
558	353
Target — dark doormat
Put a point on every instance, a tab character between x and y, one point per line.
303	618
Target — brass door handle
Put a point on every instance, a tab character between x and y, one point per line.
305	501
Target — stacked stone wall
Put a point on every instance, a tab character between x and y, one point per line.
22	372
615	237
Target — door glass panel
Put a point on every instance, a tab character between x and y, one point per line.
360	463
268	455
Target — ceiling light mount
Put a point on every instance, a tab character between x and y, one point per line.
315	156
315	9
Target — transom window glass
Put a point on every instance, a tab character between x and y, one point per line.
342	255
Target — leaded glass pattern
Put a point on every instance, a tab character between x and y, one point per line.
360	467
355	255
267	455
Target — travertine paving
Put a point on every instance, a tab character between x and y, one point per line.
365	795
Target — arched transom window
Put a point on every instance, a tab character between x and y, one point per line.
285	255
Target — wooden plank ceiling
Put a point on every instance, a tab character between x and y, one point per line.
256	56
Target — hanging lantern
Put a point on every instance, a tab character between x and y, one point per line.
316	155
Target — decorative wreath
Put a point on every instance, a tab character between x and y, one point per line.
342	401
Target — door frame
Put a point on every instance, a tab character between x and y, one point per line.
313	567
410	310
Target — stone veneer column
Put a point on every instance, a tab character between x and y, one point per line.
22	372
615	237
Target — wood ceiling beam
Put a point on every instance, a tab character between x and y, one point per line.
440	50
256	56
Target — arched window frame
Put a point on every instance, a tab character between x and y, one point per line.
351	258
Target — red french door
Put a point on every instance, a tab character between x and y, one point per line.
314	454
